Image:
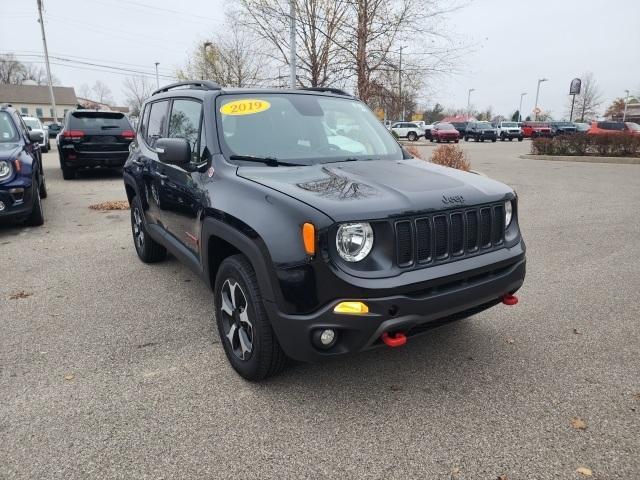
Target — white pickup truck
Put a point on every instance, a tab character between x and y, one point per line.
509	131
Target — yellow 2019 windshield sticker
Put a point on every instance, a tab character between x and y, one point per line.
246	106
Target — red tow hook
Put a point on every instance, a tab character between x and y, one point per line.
397	340
509	299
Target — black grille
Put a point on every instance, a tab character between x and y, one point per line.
448	236
404	243
423	240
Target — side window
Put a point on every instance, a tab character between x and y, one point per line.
157	123
39	112
185	123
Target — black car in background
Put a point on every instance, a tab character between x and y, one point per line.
481	131
93	138
461	127
54	129
562	128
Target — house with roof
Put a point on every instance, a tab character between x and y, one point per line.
35	101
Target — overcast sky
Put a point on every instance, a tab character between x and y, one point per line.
513	43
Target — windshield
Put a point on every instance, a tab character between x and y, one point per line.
32	122
8	132
484	126
509	124
445	126
305	129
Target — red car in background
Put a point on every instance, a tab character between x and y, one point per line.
616	128
536	129
444	132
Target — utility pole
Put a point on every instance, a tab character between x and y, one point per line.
292	40
157	77
469	101
204	59
520	107
535	110
626	100
400	84
46	59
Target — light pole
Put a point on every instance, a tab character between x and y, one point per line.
469	101
535	110
292	41
204	58
157	76
626	100
400	82
520	107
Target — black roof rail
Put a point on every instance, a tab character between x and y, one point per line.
197	84
337	91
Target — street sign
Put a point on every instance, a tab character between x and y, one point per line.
574	88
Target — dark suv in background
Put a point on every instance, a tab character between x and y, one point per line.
93	138
562	128
481	131
316	244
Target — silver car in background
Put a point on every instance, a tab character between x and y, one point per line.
35	125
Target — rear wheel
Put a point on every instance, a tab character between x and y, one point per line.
519	139
147	248
245	330
43	187
466	139
68	173
412	136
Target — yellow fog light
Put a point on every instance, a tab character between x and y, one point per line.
351	307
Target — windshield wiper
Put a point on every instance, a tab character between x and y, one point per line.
270	161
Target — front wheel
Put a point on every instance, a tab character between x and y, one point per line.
456	140
494	140
245	331
36	217
466	139
519	139
412	137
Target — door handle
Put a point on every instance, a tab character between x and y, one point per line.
162	176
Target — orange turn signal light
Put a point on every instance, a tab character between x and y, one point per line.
353	308
309	238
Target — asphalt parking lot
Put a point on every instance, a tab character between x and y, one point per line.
110	368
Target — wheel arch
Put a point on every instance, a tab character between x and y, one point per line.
221	240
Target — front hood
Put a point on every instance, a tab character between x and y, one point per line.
8	151
367	190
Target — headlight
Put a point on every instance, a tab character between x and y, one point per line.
508	213
354	241
5	170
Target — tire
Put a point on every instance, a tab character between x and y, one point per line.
148	250
259	355
456	141
36	217
482	140
45	149
510	139
519	139
412	137
431	140
502	138
466	139
68	173
438	140
494	140
43	187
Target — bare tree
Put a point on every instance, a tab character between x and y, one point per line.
136	89
589	101
231	60
101	93
320	58
11	70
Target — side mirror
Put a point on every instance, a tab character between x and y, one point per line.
36	137
174	151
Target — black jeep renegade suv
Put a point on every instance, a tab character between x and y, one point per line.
318	234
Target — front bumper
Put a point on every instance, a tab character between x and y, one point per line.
411	312
511	134
16	201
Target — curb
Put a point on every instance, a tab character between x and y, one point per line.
584	159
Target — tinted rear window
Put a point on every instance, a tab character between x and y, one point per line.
98	120
611	125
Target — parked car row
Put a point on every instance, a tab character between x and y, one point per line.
507	130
